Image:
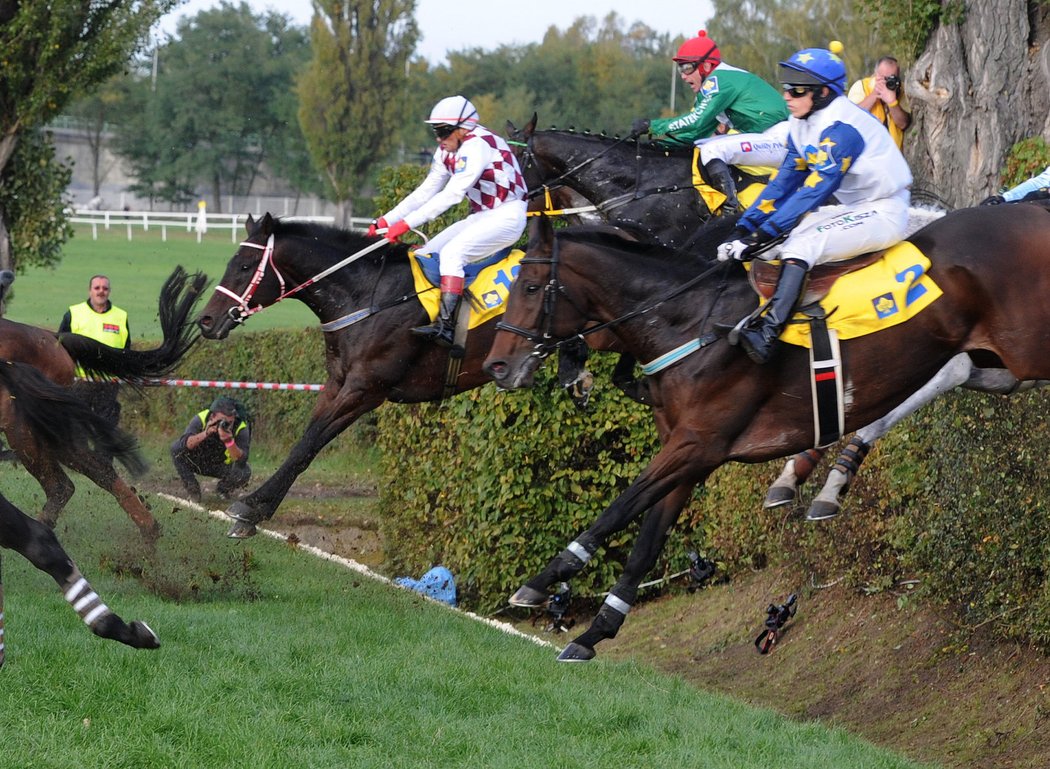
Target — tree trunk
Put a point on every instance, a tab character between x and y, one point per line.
7	149
979	87
344	211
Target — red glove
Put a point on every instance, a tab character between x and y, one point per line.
396	230
377	224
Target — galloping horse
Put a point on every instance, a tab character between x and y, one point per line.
714	405
57	419
57	359
636	185
366	310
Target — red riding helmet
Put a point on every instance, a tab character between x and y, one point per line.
699	49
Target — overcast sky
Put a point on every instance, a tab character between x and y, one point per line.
458	24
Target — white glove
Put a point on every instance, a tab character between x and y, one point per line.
735	249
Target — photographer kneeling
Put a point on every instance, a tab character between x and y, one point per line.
882	95
215	444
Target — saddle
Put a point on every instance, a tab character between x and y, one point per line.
764	275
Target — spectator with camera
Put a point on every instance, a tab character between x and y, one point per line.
882	95
215	444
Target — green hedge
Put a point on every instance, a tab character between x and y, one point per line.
493	484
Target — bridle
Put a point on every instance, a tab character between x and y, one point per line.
241	311
543	340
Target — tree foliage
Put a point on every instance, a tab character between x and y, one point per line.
351	95
51	53
218	105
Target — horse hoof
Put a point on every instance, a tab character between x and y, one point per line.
821	511
528	598
241	530
145	638
574	652
777	496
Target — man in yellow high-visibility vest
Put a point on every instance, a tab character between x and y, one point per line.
104	322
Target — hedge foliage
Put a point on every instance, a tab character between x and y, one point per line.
493	484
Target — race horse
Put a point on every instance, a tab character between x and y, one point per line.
714	405
650	191
366	309
632	184
57	419
57	356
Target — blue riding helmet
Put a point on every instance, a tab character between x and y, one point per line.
815	66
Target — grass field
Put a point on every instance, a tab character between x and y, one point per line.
277	659
136	269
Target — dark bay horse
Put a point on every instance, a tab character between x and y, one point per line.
369	361
57	356
56	419
715	406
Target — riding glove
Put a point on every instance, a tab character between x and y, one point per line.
377	224
743	245
993	200
640	126
396	230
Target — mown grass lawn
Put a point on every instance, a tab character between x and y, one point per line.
272	658
137	269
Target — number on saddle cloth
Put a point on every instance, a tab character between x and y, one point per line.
431	263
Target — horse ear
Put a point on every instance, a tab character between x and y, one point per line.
512	130
530	127
266	224
249	223
541	235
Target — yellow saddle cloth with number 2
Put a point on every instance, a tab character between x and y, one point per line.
890	291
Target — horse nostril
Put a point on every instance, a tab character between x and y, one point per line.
496	369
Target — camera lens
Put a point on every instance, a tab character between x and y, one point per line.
893	82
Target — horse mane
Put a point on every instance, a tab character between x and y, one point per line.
648	147
342	239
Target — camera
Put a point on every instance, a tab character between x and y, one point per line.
225	424
893	82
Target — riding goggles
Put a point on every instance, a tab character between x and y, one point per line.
688	67
443	130
796	91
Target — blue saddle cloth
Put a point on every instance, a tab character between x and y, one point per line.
430	264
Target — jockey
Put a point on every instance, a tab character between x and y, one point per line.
470	161
749	102
834	148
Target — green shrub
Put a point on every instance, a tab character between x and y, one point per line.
1026	159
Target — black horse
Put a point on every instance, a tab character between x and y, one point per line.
713	405
367	310
57	420
632	184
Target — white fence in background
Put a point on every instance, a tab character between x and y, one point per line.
144	221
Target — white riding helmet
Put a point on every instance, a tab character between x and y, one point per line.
455	111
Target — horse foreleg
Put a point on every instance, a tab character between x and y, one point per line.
42	465
624	379
828	502
795	473
624	594
40	547
673	466
330	418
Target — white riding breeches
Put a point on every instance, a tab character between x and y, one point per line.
764	149
478	236
835	233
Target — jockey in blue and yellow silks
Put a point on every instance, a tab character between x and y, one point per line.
834	148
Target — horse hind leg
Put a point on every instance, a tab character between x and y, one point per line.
98	467
827	504
795	473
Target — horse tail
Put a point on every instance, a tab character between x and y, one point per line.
178	297
53	415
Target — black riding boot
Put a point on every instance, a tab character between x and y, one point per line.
721	178
443	329
757	338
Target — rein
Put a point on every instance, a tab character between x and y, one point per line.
543	347
241	311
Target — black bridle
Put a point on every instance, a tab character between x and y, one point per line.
543	341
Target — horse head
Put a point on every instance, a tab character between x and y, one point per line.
251	281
